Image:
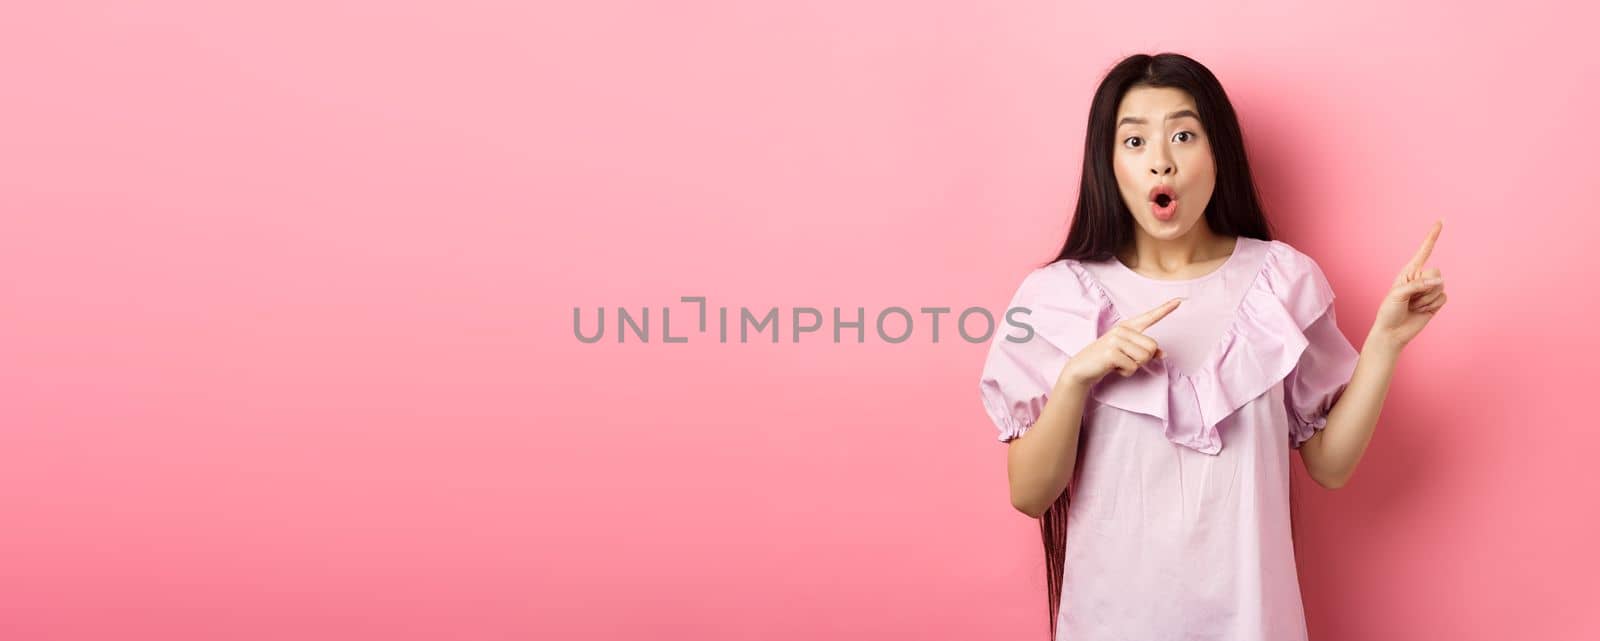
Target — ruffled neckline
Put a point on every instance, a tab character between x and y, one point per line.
1260	345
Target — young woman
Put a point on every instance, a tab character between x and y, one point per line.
1173	476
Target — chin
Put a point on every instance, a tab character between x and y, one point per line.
1166	230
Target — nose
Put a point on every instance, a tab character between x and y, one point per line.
1161	163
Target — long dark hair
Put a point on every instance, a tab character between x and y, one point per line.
1102	225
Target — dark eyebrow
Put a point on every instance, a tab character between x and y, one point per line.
1176	114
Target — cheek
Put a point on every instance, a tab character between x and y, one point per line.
1201	162
1124	165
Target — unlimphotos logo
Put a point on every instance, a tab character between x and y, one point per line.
891	324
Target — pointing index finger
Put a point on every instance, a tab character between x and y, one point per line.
1427	247
1145	320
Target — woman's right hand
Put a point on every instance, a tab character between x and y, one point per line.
1124	348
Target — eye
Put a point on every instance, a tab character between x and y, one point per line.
1130	139
1183	133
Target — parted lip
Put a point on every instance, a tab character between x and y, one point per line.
1163	189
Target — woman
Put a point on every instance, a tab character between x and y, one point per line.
1173	476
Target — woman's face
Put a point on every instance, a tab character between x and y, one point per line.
1159	142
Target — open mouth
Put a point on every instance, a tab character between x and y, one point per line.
1164	201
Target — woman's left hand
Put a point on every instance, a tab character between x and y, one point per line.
1416	295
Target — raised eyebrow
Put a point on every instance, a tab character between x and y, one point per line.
1181	113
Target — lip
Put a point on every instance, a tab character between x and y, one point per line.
1162	189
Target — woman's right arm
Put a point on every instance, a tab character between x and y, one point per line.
1040	462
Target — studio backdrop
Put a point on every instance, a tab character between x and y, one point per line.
611	320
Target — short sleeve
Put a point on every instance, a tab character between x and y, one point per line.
1049	318
1323	371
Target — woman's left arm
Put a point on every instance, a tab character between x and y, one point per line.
1416	296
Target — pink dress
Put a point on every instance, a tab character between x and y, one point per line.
1178	525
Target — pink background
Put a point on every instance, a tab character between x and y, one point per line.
287	295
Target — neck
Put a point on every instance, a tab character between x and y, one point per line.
1175	257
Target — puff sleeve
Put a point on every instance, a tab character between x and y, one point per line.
1051	316
1323	370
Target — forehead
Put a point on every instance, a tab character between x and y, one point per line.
1153	103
